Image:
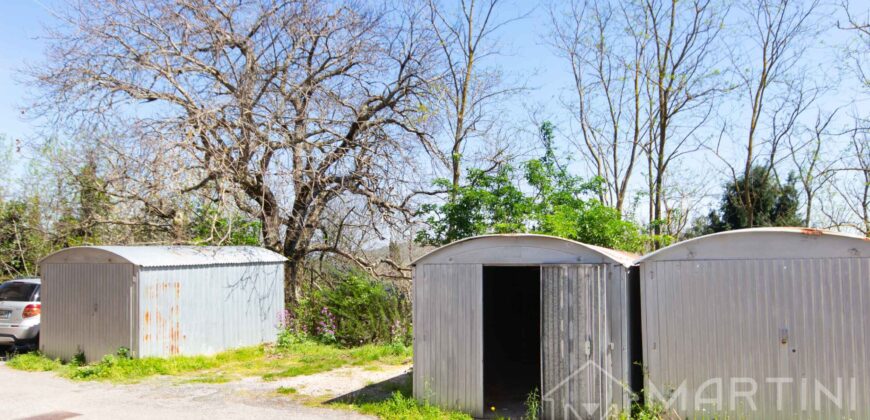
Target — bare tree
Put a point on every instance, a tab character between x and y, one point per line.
814	170
852	186
606	48
859	52
468	90
773	83
283	107
682	85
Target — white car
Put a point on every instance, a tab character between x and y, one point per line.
20	311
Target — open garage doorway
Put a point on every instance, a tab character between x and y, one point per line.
511	338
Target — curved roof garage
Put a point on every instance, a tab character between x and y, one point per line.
159	300
498	316
770	304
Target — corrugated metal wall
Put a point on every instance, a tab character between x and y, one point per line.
776	318
207	309
448	336
86	307
575	340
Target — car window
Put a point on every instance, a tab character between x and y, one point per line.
17	291
36	293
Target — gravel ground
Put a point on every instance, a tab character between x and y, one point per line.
331	384
44	396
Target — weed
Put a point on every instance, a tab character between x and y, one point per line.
533	405
400	405
286	390
647	411
79	359
34	362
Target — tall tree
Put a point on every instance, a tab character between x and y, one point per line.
851	185
285	108
468	89
814	170
605	45
777	205
683	84
774	84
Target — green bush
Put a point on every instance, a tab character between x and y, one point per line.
540	197
357	309
33	362
402	406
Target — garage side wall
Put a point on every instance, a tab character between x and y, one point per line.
208	309
448	336
86	308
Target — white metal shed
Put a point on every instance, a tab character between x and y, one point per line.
786	309
496	316
159	301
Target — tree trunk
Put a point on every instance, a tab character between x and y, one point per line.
809	209
457	170
292	275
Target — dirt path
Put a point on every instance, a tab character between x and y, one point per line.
335	384
39	395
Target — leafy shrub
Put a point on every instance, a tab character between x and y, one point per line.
540	197
357	309
33	362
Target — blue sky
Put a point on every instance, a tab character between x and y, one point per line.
22	23
19	26
524	56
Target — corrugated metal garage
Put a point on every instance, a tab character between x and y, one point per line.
159	301
497	316
787	309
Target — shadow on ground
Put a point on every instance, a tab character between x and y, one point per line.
377	392
6	352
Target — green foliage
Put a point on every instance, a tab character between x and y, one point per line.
772	205
33	226
356	309
558	204
34	362
533	405
310	356
286	390
401	405
21	246
404	407
210	227
301	357
648	411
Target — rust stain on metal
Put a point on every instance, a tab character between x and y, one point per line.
811	232
147	317
177	290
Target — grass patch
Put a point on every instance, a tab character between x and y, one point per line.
394	401
34	362
311	357
270	362
400	405
286	390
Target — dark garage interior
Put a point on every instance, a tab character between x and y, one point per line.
511	337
